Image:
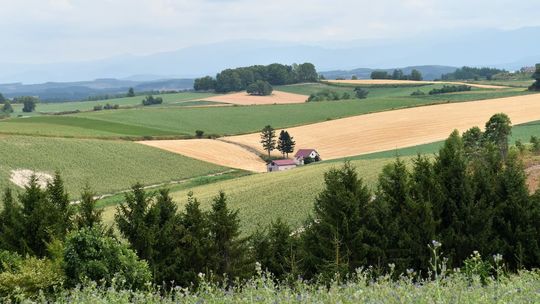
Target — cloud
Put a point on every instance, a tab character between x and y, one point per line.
59	30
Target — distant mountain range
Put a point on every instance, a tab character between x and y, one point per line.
61	91
495	48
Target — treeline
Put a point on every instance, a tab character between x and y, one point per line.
238	79
329	95
471	73
470	202
536	76
397	75
450	89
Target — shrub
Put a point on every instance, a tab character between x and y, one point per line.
199	133
7	108
327	94
151	100
26	278
418	93
535	144
98	108
450	89
360	93
91	255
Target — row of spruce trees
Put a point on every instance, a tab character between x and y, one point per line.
472	196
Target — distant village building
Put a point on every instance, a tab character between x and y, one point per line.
306	156
281	165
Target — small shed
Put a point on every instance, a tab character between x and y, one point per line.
281	165
303	154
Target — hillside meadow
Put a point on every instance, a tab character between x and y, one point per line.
181	122
178	99
107	166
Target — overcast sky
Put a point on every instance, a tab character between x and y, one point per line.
39	31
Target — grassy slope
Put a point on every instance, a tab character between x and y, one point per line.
290	194
168	121
262	198
105	165
172	99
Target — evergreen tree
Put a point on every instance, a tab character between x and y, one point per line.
268	139
61	213
456	199
276	250
11	225
334	238
514	220
196	242
35	208
88	216
228	252
285	143
281	142
130	93
7	108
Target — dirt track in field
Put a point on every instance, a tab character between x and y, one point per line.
213	151
392	81
244	98
401	128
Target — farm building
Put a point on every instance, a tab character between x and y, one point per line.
306	156
281	165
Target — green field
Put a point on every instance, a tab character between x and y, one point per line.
262	198
177	99
107	166
173	121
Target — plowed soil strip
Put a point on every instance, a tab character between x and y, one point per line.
243	98
401	128
213	151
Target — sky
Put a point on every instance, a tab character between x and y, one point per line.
45	31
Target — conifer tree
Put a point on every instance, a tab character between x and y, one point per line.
228	251
61	213
268	139
88	216
498	130
334	238
11	225
472	143
281	142
289	144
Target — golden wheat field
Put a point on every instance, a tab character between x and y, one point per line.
243	98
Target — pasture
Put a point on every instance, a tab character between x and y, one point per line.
175	99
107	166
175	121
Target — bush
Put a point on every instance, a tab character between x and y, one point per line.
260	88
327	94
91	255
199	133
361	93
418	93
450	89
7	108
26	278
98	108
151	100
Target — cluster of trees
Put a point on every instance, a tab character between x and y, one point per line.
260	88
238	79
326	95
471	197
471	73
107	106
450	89
285	143
536	85
6	108
151	100
397	75
28	102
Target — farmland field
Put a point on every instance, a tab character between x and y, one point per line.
401	128
411	82
168	99
177	121
242	98
107	166
262	198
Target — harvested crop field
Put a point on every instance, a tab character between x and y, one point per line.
398	82
213	151
243	98
401	128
